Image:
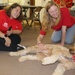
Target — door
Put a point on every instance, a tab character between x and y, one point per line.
32	2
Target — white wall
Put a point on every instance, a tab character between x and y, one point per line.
41	2
10	1
25	2
4	1
73	7
22	2
14	1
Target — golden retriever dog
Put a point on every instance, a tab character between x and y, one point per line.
48	55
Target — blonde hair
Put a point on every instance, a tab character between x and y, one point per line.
47	19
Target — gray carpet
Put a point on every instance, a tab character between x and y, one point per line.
11	65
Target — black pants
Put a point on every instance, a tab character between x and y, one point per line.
15	39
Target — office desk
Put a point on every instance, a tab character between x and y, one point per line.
35	10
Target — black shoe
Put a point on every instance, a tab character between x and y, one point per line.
20	47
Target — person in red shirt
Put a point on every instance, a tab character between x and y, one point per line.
67	3
10	28
60	20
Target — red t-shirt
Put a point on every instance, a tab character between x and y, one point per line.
66	19
69	3
6	22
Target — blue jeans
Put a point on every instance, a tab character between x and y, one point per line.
70	33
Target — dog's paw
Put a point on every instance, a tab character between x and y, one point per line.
22	59
13	53
47	60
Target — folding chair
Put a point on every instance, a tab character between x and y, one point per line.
25	18
35	16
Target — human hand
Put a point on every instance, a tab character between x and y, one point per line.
61	44
41	46
7	41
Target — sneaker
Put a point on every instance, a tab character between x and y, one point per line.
20	47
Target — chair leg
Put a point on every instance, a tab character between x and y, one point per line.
23	26
34	26
40	25
30	24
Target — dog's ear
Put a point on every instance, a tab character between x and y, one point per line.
72	50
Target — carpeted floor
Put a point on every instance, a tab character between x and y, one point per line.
11	65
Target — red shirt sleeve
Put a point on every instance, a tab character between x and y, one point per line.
42	32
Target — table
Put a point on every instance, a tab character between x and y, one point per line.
33	9
25	8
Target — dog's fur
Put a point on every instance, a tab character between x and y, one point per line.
49	55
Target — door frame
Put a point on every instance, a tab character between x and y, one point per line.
32	2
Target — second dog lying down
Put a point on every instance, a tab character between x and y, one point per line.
50	54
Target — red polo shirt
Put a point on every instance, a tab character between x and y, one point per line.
66	19
6	22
